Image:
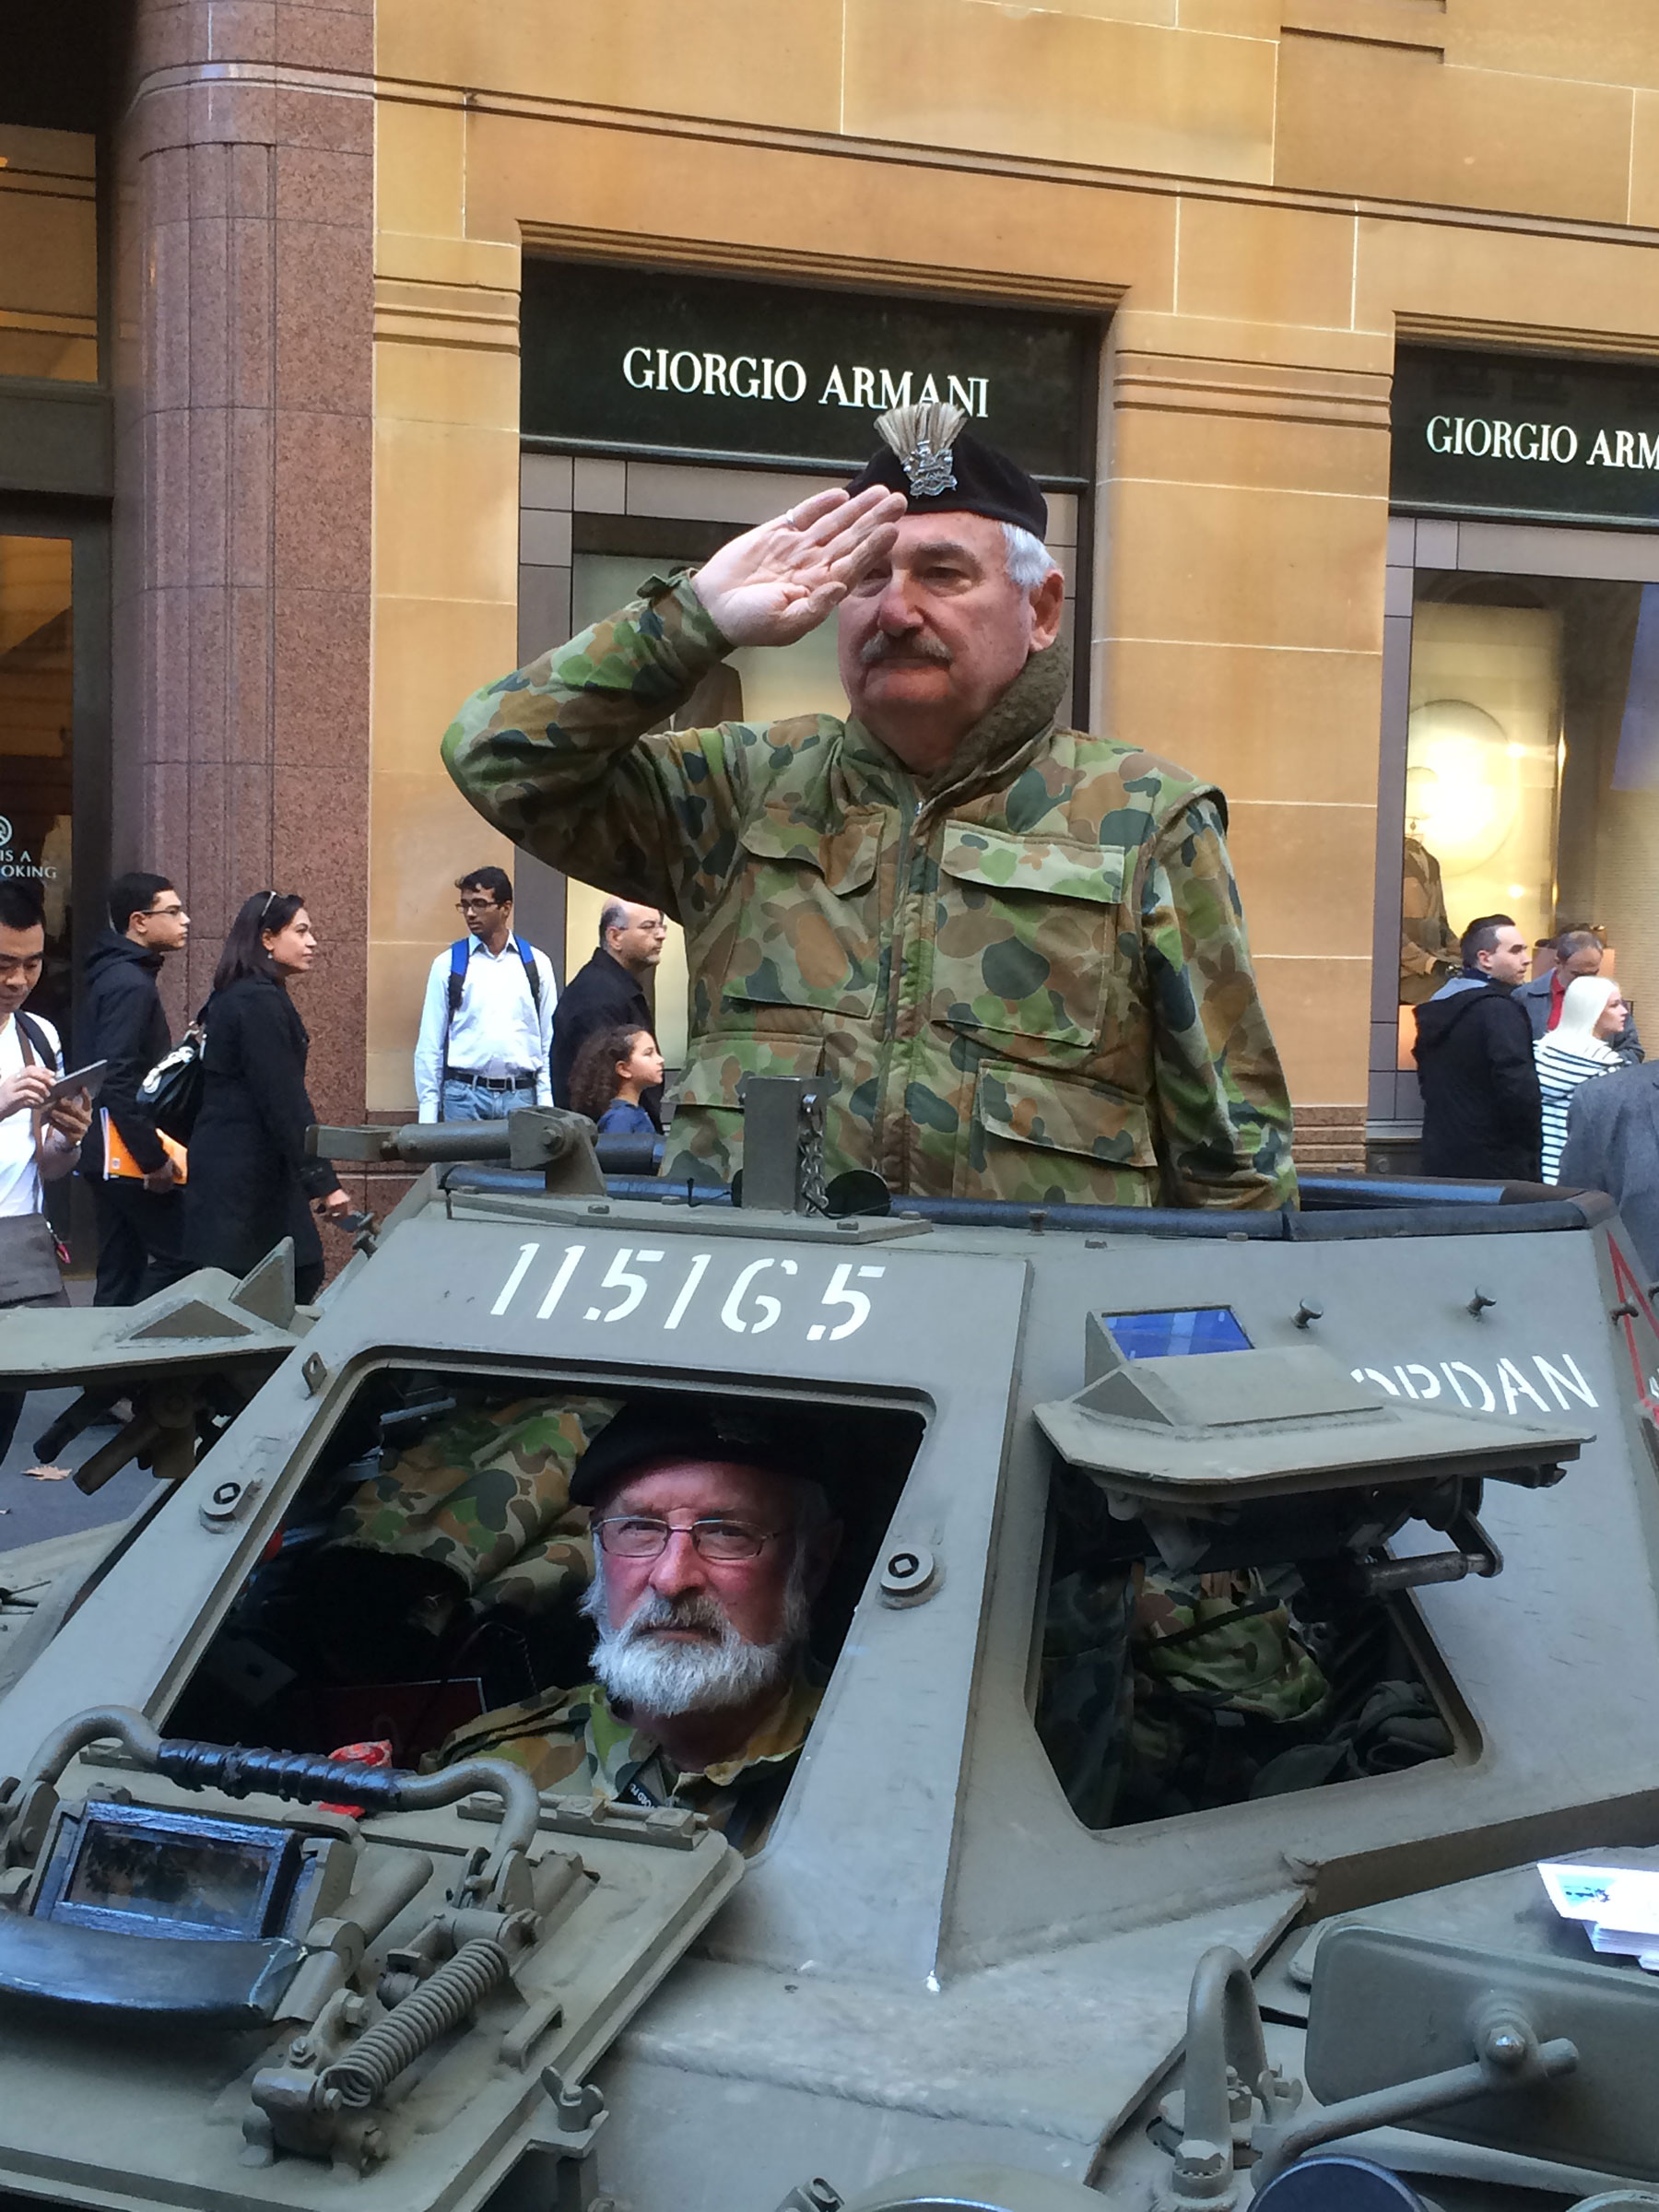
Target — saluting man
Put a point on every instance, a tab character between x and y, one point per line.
1019	949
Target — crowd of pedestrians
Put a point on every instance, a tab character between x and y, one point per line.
223	1186
1540	1079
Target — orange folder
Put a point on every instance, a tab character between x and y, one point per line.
119	1164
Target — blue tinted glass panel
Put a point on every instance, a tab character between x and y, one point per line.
1162	1336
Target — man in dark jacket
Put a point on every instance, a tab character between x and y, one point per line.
135	1193
610	990
1577	952
1482	1118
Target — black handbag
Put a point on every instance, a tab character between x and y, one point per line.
171	1093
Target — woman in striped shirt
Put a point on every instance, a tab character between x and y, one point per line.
1576	1049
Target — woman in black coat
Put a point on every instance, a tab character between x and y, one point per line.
249	1179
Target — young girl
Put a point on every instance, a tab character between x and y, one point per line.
612	1068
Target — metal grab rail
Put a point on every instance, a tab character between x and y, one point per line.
306	1778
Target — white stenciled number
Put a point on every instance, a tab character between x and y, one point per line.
700	1268
838	1294
768	1308
510	1288
618	1275
561	1283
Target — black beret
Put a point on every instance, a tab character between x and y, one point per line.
783	1440
942	468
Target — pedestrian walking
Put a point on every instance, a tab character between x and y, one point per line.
487	1026
1613	1145
40	1142
1474	1064
1583	1044
138	1191
610	990
250	1179
614	1071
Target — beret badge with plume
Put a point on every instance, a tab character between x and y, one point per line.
922	435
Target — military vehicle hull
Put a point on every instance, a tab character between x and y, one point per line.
932	1961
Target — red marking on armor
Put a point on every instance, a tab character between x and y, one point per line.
1632	1293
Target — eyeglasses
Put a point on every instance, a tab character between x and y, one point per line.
171	913
470	906
643	1536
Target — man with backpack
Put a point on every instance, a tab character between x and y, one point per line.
487	1026
135	1178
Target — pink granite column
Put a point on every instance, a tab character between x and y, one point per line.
243	472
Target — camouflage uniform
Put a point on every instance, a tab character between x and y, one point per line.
1160	1692
485	1494
575	1742
1029	972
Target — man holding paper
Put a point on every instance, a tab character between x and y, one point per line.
135	1175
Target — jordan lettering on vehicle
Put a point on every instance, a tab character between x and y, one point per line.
1508	1387
755	1297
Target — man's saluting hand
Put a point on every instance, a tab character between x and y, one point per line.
776	583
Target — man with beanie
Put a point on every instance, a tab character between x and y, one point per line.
1482	1115
135	1189
1019	949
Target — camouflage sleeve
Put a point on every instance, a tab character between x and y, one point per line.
1223	1108
556	755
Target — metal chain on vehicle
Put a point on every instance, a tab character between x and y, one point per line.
809	1171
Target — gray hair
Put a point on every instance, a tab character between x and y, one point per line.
613	915
1029	559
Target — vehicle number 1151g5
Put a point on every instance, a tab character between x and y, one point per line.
764	1293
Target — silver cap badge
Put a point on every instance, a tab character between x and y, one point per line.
922	435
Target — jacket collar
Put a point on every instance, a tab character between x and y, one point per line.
992	752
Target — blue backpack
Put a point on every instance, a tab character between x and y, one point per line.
460	954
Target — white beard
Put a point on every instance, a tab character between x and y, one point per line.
638	1667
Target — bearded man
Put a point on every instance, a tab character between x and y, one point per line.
1019	949
711	1544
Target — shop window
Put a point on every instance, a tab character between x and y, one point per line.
1531	771
48	255
36	742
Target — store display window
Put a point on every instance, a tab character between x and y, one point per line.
1531	771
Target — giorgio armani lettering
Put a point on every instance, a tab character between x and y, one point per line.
643	361
1502	434
752	376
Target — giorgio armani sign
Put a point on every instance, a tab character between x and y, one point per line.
636	360
1503	434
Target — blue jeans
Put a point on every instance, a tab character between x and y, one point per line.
464	1099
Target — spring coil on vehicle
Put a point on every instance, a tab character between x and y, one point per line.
446	1999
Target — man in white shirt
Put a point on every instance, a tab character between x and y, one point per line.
487	1026
38	1143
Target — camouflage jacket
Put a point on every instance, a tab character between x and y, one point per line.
486	1493
575	1742
1029	974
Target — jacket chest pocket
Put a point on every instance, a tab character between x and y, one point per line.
806	928
1025	940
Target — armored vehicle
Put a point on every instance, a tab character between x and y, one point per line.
1232	1609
